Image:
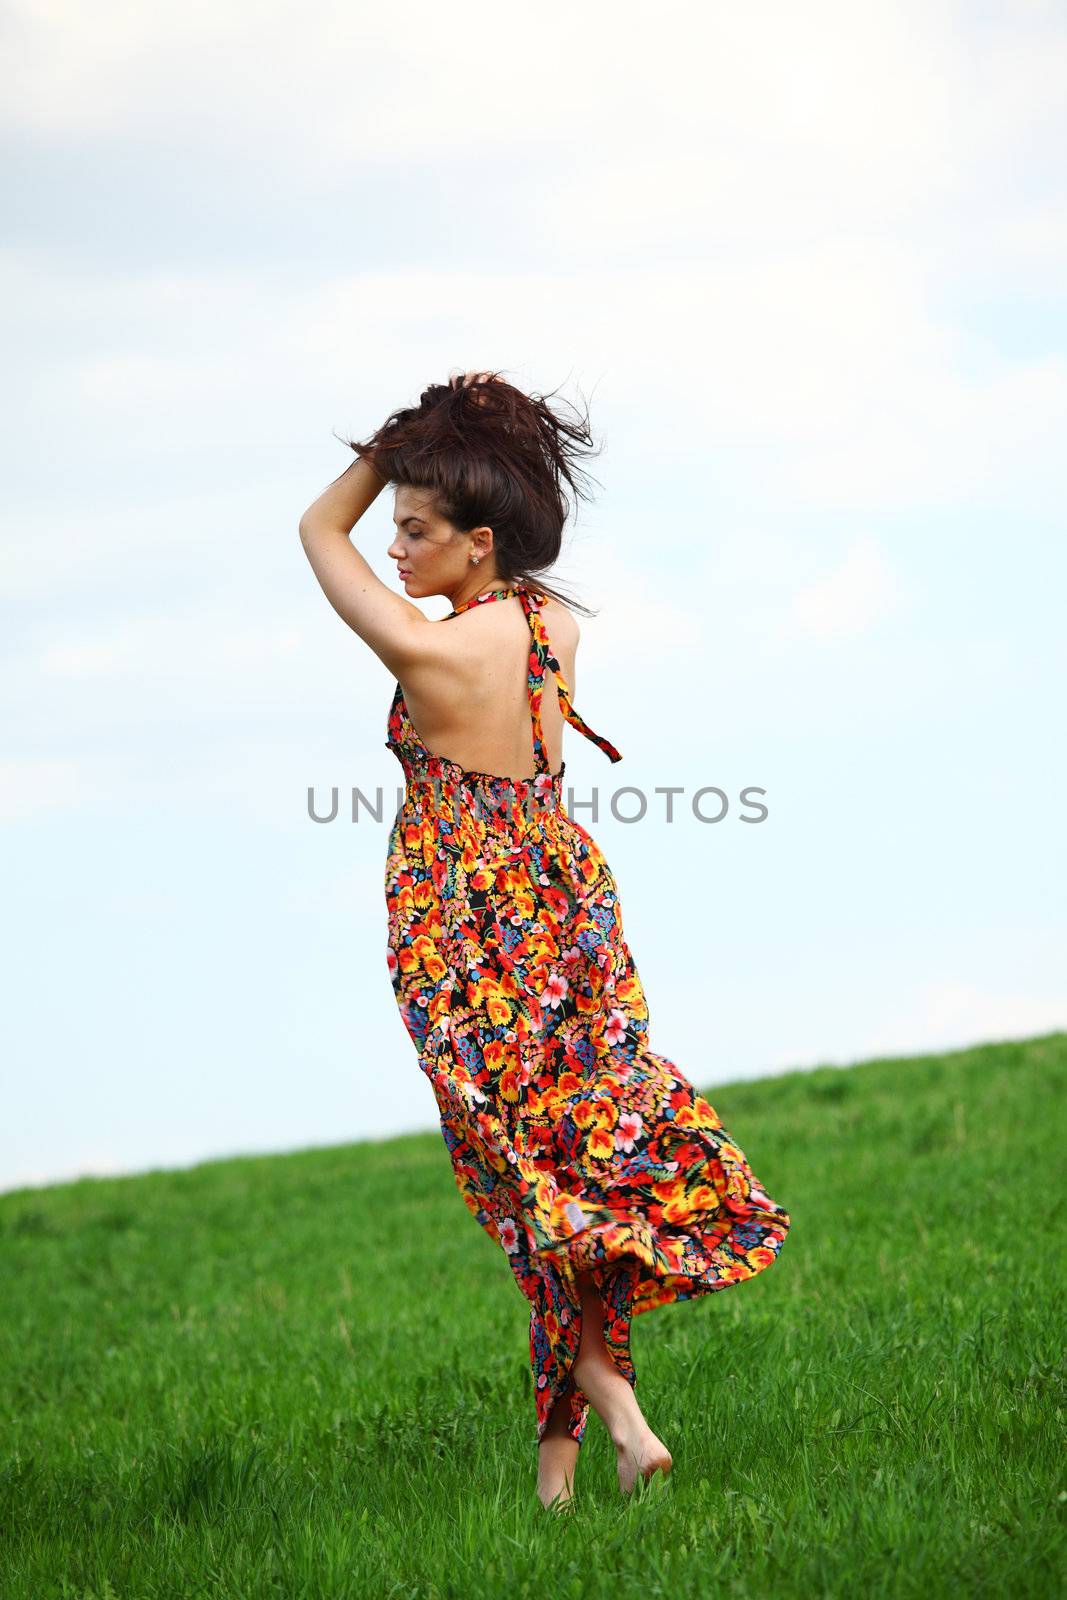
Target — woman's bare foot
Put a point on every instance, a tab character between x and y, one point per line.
637	1448
556	1460
557	1456
638	1451
562	1500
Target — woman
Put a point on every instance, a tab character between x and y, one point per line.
610	1184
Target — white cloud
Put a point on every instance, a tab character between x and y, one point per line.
189	646
953	1014
754	101
860	591
32	786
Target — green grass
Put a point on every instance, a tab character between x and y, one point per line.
307	1375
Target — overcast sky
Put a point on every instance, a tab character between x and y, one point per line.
806	266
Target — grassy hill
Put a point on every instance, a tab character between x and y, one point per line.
307	1375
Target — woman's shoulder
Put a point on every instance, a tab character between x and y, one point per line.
561	622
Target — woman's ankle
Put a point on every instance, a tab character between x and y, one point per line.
611	1397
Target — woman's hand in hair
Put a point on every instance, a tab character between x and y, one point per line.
469	378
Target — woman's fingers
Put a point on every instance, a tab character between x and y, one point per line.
468	378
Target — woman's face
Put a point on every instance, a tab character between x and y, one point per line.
433	557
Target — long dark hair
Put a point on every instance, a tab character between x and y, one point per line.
492	456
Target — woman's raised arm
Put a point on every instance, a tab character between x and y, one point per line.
385	620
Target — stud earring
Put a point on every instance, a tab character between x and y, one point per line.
476	559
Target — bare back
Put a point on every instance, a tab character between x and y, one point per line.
468	700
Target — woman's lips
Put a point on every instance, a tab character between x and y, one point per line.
402	574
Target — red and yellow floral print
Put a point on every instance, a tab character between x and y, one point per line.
574	1144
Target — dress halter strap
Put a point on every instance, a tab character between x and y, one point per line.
541	657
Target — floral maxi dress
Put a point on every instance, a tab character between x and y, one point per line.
573	1143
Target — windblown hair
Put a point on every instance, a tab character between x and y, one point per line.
491	456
